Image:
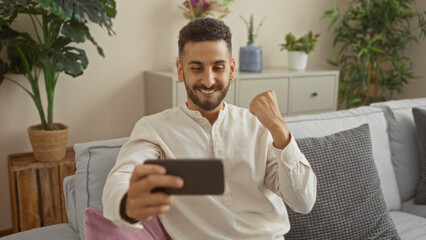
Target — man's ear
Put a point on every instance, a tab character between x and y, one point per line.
179	70
232	69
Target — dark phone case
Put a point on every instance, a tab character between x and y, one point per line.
200	176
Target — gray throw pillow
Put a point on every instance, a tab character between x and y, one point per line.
350	203
419	115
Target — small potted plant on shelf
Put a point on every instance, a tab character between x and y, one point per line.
251	58
299	49
192	9
50	49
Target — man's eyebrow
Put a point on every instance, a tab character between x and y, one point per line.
219	61
195	62
200	63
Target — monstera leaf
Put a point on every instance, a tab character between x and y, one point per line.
70	60
95	10
53	7
12	40
9	9
110	8
6	34
98	11
79	32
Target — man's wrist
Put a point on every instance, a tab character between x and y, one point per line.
281	137
123	214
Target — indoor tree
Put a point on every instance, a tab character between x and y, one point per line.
372	38
57	26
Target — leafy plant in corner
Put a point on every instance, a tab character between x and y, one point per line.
58	25
306	43
371	39
251	32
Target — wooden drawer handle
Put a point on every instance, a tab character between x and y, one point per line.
314	94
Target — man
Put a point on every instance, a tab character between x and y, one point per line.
263	165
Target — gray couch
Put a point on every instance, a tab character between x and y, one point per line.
394	150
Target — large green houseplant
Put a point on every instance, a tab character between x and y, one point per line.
372	38
49	48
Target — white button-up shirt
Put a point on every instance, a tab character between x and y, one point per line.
258	176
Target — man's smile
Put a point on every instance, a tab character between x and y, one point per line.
207	91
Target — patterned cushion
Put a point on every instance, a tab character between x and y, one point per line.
419	115
350	203
320	125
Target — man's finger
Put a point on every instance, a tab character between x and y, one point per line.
142	171
145	200
153	181
251	110
156	199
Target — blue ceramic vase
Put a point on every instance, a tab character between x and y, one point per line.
251	59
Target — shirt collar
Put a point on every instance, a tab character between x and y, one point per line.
196	115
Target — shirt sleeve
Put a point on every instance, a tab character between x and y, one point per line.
290	176
133	153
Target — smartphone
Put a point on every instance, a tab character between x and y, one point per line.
200	176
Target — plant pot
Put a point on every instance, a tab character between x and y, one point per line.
297	60
251	59
49	145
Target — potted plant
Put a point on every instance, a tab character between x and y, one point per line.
192	9
251	58
372	38
57	26
299	49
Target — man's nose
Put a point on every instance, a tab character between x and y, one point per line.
208	79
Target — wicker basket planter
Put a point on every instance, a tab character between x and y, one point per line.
49	145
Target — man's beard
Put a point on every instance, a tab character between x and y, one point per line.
208	104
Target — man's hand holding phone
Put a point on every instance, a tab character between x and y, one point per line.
142	204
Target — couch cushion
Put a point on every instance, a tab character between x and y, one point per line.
409	226
405	156
324	124
419	116
416	209
62	231
350	203
94	160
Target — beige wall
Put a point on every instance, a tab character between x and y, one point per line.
108	99
417	87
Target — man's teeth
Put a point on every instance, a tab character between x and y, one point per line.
207	92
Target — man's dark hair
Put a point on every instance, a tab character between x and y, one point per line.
204	29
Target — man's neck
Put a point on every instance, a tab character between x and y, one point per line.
211	115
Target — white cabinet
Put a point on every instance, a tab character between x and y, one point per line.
298	92
248	88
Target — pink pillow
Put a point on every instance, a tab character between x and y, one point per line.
97	227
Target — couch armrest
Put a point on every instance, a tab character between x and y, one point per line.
62	231
69	195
